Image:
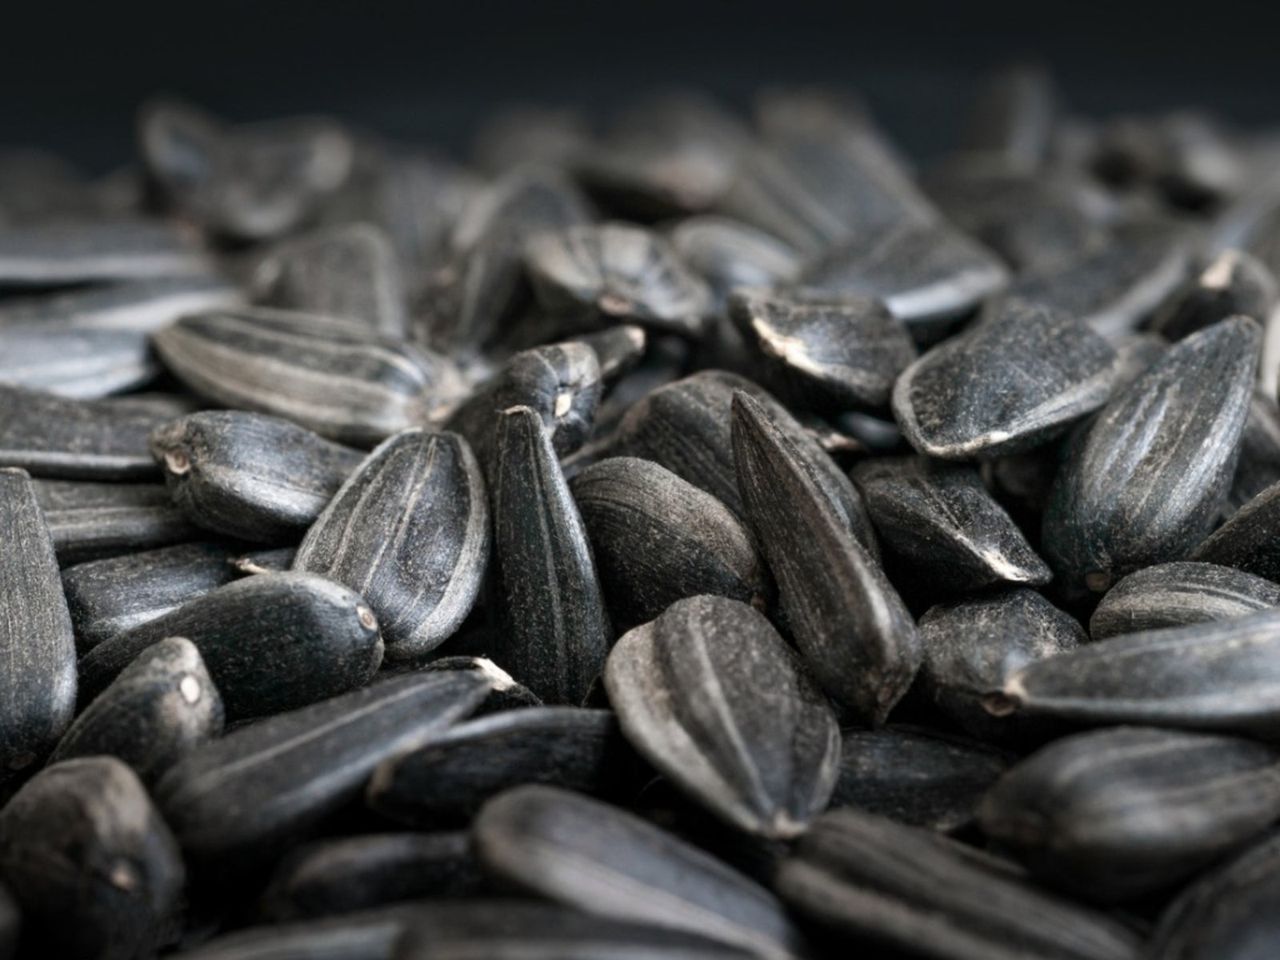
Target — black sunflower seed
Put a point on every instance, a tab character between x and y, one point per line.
1233	282
1012	118
83	364
61	254
91	862
504	692
140	306
618	350
38	683
1147	479
1259	463
1115	814
1177	594
728	254
92	520
717	702
271	642
1247	541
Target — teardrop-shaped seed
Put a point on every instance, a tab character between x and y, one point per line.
140	306
451	777
849	623
868	880
245	796
941	525
618	350
249	475
160	708
62	254
91	862
728	254
337	378
1015	380
1115	814
37	646
832	354
975	646
1178	594
51	436
349	272
1218	675
410	531
1233	282
83	364
92	520
716	701
271	642
1147	479
1247	541
600	859
344	875
558	631
657	538
915	776
365	935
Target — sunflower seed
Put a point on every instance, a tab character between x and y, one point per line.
1259	463
271	642
409	530
60	254
339	379
862	877
1247	540
161	707
93	865
245	796
84	364
349	874
1012	118
250	475
504	692
139	306
728	254
938	521
365	935
38	683
92	520
1177	594
558	629
849	623
1231	283
618	350
1147	479
657	538
1115	814
1014	381
451	777
279	560
585	854
713	698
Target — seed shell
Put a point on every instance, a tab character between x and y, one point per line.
1177	594
62	254
92	520
1231	283
728	254
138	306
1247	540
81	364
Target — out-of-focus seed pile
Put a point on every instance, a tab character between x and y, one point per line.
704	536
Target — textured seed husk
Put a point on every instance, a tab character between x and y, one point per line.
90	520
271	642
618	350
1247	541
81	364
276	560
1178	594
711	695
976	645
1114	814
872	882
915	776
61	254
1018	378
38	682
348	874
337	378
940	524
249	475
1259	464
504	692
350	272
1229	913
1012	117
558	630
1233	282
657	538
450	778
248	795
160	708
831	354
585	854
1146	480
51	436
90	860
138	306
849	623
728	254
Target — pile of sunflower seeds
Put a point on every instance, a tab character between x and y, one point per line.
704	536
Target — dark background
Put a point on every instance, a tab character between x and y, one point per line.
72	75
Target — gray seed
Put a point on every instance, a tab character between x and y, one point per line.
160	708
278	560
93	865
849	623
657	538
1115	814
1177	594
139	306
92	520
250	475
1231	283
1259	463
717	702
565	847
83	364
272	642
728	254
869	880
1012	118
248	795
60	254
1147	479
618	350
1247	541
37	647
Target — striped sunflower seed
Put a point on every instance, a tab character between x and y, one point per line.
1178	594
1232	282
1247	540
139	306
63	254
82	364
1115	814
89	520
728	254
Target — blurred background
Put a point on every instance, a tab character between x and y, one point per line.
71	76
